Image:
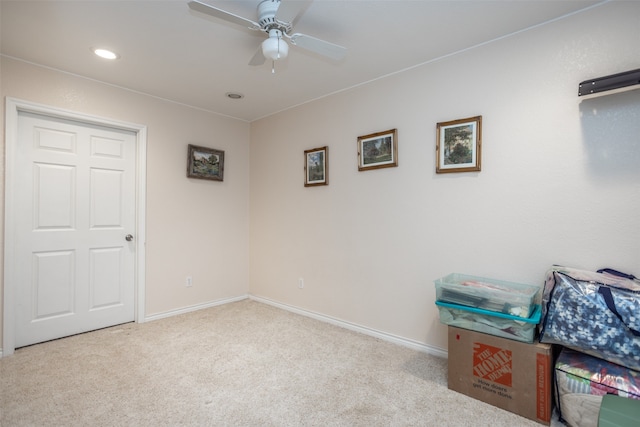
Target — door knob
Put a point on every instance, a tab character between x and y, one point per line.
128	237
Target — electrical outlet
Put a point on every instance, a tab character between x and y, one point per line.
301	283
189	282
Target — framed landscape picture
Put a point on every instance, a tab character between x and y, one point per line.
378	150
316	166
459	145
205	163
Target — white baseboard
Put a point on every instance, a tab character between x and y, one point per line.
415	345
191	308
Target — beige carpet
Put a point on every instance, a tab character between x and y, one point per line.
240	364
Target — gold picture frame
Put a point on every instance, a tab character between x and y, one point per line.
378	150
459	145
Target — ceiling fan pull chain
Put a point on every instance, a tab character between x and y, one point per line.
279	38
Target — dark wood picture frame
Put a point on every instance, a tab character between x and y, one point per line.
316	166
205	163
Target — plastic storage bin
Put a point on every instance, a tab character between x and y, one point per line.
490	322
489	294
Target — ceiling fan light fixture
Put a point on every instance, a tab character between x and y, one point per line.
275	48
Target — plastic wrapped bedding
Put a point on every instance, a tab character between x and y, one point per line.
581	382
594	313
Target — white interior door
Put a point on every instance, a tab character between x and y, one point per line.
74	194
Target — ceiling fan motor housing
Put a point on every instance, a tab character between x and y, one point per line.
267	10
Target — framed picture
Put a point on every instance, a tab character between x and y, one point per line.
378	150
316	166
205	163
459	145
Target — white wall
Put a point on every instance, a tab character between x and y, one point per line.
560	179
194	227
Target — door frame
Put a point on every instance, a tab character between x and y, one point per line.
13	108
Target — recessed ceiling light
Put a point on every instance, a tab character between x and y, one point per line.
105	53
234	95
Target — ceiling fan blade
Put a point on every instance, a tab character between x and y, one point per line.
258	58
290	11
318	46
219	13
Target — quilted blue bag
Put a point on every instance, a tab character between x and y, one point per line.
597	313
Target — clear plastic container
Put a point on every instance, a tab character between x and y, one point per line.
490	322
500	296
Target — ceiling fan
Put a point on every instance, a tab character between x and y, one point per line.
276	18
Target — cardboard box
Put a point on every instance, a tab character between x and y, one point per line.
509	374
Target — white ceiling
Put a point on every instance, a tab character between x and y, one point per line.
172	52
